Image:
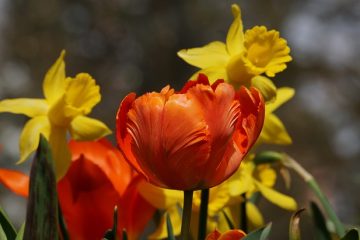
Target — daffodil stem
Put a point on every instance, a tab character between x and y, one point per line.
310	180
186	216
203	214
243	214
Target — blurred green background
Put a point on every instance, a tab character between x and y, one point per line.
131	45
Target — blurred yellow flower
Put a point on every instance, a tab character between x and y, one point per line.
274	131
67	101
243	57
249	179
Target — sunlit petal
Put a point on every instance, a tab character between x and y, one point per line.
54	83
213	74
254	214
30	135
85	129
276	198
274	131
27	106
81	95
266	87
283	95
235	36
60	151
213	54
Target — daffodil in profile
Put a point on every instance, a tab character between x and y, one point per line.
67	101
245	59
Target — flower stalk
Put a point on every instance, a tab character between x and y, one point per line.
203	213
310	180
186	216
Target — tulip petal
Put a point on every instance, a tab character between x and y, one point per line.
27	106
210	55
235	36
30	135
274	131
60	151
15	181
277	198
85	129
107	158
283	95
215	235
55	83
235	234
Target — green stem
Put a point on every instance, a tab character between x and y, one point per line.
309	179
243	214
186	216
203	213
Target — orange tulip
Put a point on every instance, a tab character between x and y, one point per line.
98	179
15	181
228	235
193	139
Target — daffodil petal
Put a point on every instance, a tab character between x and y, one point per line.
213	74
87	129
159	197
277	198
30	135
161	231
254	214
265	86
267	175
60	151
27	106
283	95
274	131
210	55
82	94
235	36
55	83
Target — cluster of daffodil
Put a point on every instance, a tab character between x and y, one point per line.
189	140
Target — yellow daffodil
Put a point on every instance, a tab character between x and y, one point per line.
249	179
243	58
274	131
67	101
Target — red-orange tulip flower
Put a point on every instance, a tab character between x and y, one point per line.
98	179
228	235
193	139
15	181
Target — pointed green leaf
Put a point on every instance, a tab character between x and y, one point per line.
259	234
352	234
169	227
20	234
124	234
7	228
62	226
2	234
41	215
321	231
111	233
268	157
294	227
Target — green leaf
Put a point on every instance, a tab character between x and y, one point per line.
294	227
169	227
352	234
111	233
41	216
7	228
20	234
62	226
321	231
259	234
2	234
